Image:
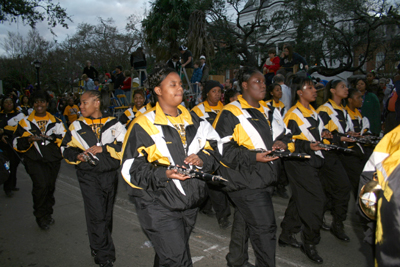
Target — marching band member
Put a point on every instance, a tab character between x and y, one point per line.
9	118
38	136
244	125
208	111
306	206
167	201
275	94
360	126
93	144
335	177
24	107
138	109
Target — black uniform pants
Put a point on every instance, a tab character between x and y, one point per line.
169	232
254	217
217	200
98	192
43	176
306	206
354	165
336	185
11	182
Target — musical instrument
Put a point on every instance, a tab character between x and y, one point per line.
368	198
193	173
335	147
366	140
89	158
282	153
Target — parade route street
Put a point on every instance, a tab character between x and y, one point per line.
24	244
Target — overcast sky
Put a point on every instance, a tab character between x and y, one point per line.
82	11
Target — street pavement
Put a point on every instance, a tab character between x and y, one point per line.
24	244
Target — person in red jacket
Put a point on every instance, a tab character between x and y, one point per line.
126	86
271	66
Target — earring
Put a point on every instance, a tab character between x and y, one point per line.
301	94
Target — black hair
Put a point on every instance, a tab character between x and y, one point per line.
244	75
352	91
327	91
270	88
43	95
140	92
155	78
22	99
228	94
298	83
365	82
13	101
102	96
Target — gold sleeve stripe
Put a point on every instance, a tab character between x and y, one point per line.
72	162
198	111
113	153
153	154
291	147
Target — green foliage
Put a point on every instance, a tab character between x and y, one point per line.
33	11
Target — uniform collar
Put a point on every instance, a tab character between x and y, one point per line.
304	110
32	116
161	119
334	105
207	107
246	105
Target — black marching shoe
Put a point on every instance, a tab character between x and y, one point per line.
311	253
42	223
9	193
49	220
108	263
288	241
337	229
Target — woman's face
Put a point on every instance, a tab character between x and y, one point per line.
255	87
361	86
356	100
89	105
40	107
25	101
138	99
308	93
8	105
214	95
277	92
170	91
340	90
286	51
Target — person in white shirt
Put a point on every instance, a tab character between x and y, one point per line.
286	92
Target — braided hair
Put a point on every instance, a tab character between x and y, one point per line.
102	96
155	78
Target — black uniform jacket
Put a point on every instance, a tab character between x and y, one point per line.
80	137
242	128
306	126
152	141
46	151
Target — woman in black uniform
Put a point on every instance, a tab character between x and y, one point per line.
9	118
93	144
38	137
335	177
306	206
167	201
244	125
